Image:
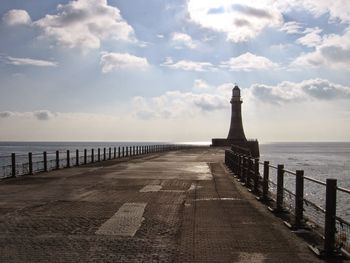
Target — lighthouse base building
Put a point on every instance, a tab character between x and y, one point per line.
236	136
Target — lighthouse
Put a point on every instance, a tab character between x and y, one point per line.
236	132
236	136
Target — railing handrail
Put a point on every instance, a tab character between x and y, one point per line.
336	229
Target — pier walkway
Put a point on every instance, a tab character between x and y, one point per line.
179	206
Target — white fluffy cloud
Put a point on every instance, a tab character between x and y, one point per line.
200	84
16	17
84	24
188	65
174	104
29	62
333	51
243	20
117	61
240	20
292	27
336	9
312	37
248	62
312	89
180	40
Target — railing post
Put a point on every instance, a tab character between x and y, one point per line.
68	159
57	160
85	156
299	198
45	161
239	167
30	163
77	157
115	152
13	165
330	217
104	153
118	151
243	171
236	164
280	179
123	152
256	175
266	181
130	150
92	155
109	153
98	154
249	172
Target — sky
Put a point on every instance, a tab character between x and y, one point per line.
163	70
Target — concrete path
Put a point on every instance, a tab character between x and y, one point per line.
169	207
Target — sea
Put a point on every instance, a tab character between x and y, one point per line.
319	160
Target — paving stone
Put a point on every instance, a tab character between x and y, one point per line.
199	215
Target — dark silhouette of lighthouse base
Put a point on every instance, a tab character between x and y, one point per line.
236	135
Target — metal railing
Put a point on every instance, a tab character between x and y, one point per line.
21	165
335	230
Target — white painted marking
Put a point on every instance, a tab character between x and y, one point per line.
245	257
125	222
192	187
151	188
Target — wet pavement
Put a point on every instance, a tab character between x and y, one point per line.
180	206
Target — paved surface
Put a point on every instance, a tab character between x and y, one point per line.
169	207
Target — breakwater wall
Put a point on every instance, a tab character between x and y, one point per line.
304	214
16	165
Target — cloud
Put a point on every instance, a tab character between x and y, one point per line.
333	51
119	61
200	84
336	9
175	104
42	115
5	114
180	40
248	62
312	89
292	27
84	24
28	62
312	37
16	17
237	19
188	65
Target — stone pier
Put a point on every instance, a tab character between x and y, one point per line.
180	206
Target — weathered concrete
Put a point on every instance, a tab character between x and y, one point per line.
184	207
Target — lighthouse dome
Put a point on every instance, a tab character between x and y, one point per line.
236	92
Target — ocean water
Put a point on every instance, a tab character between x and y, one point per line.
22	148
318	160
